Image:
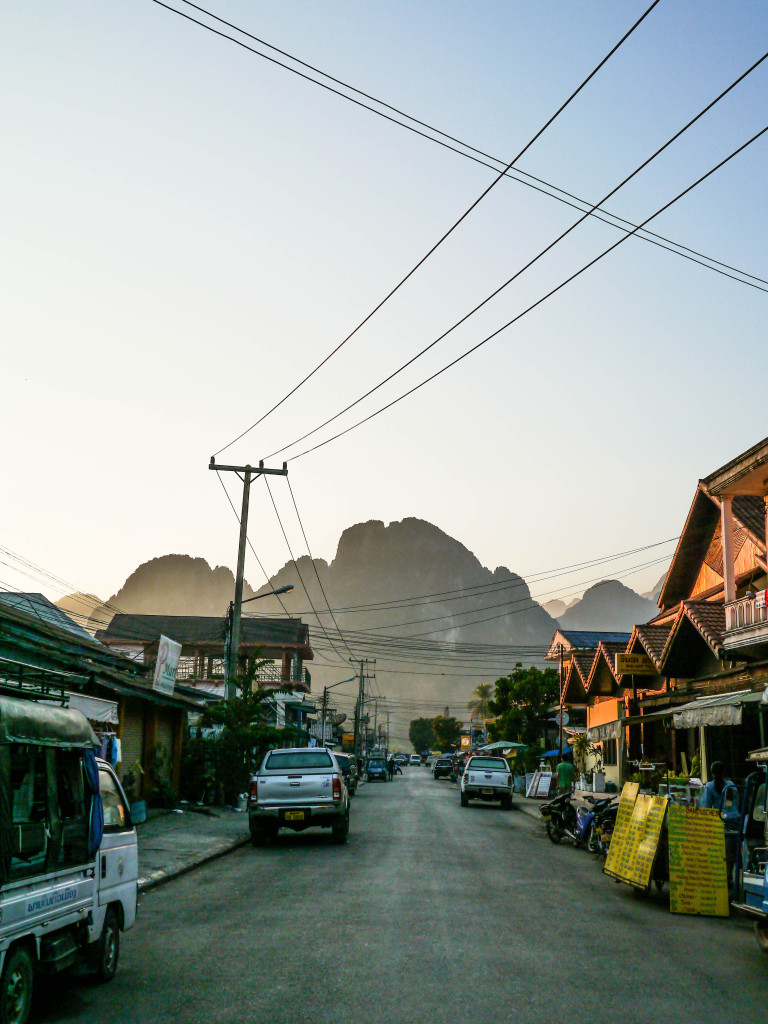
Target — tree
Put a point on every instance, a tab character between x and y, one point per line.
447	731
520	703
421	734
246	732
479	706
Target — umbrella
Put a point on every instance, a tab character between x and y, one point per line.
502	745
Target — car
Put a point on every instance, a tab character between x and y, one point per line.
348	767
415	759
487	778
401	758
377	768
430	759
442	768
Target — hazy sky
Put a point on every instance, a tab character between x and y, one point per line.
188	229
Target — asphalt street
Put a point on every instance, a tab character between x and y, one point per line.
431	914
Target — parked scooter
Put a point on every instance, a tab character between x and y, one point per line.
602	829
560	816
586	816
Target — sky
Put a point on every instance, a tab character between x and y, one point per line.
189	229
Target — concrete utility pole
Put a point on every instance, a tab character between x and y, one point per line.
360	705
247	474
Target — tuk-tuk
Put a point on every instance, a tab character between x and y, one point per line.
68	852
751	870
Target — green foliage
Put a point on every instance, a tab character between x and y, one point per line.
447	731
163	794
230	758
421	734
480	706
520	703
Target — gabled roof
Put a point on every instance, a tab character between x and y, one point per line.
698	628
653	639
605	658
582	639
709	619
576	675
43	609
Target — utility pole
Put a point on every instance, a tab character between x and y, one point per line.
560	716
360	705
247	474
322	717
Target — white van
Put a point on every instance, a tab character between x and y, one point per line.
67	887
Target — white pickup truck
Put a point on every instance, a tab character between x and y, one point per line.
487	778
298	788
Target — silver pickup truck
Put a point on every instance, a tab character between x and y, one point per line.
487	778
298	788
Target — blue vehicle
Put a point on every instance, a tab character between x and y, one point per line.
377	769
751	870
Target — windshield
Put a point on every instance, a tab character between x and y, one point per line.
377	763
497	763
284	760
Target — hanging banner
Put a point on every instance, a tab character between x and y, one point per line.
631	858
168	654
698	878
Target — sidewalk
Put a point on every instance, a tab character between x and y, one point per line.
172	843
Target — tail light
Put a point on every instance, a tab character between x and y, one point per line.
336	787
509	782
253	789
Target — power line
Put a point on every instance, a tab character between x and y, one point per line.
446	234
533	305
473	153
518	273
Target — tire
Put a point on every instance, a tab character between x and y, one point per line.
339	833
553	831
593	844
464	800
16	987
108	947
761	935
506	803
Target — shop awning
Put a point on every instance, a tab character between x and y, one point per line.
606	731
94	708
723	709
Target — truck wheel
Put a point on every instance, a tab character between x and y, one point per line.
108	947
761	935
464	800
506	803
16	987
339	833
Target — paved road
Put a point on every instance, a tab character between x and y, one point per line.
432	914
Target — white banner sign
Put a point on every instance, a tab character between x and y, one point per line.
168	653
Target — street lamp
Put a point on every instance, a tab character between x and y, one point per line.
325	702
233	621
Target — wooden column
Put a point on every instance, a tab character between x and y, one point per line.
729	569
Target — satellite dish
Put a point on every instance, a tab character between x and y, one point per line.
339	718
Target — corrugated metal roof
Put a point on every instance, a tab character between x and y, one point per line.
591	639
201	629
39	606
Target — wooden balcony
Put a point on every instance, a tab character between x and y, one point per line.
746	623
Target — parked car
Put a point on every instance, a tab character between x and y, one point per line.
442	768
377	769
348	767
401	758
69	880
487	778
430	759
298	788
415	759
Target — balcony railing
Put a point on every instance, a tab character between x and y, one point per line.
746	621
270	674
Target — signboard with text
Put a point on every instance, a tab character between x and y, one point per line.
635	665
166	664
698	880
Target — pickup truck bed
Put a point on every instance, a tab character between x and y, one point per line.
297	789
487	778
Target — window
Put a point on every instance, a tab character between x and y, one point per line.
610	756
287	760
495	763
72	820
116	818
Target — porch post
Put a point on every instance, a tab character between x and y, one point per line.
729	571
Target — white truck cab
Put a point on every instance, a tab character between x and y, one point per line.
486	778
68	852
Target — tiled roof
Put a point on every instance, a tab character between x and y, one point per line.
204	629
749	509
575	688
605	652
709	619
654	640
583	663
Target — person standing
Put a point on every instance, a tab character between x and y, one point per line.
565	772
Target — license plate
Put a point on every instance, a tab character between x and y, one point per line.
294	815
487	792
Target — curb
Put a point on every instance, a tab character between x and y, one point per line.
156	878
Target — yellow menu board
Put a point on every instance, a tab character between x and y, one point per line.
631	858
620	829
698	879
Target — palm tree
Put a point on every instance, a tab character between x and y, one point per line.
479	706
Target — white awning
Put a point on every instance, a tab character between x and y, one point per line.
723	709
607	731
94	708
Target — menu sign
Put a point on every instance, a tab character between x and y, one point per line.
698	878
635	839
539	785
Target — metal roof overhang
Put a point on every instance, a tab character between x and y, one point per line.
721	709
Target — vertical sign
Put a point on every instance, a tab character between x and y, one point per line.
698	878
614	864
168	654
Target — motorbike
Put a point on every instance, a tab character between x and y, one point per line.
560	817
587	816
603	828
